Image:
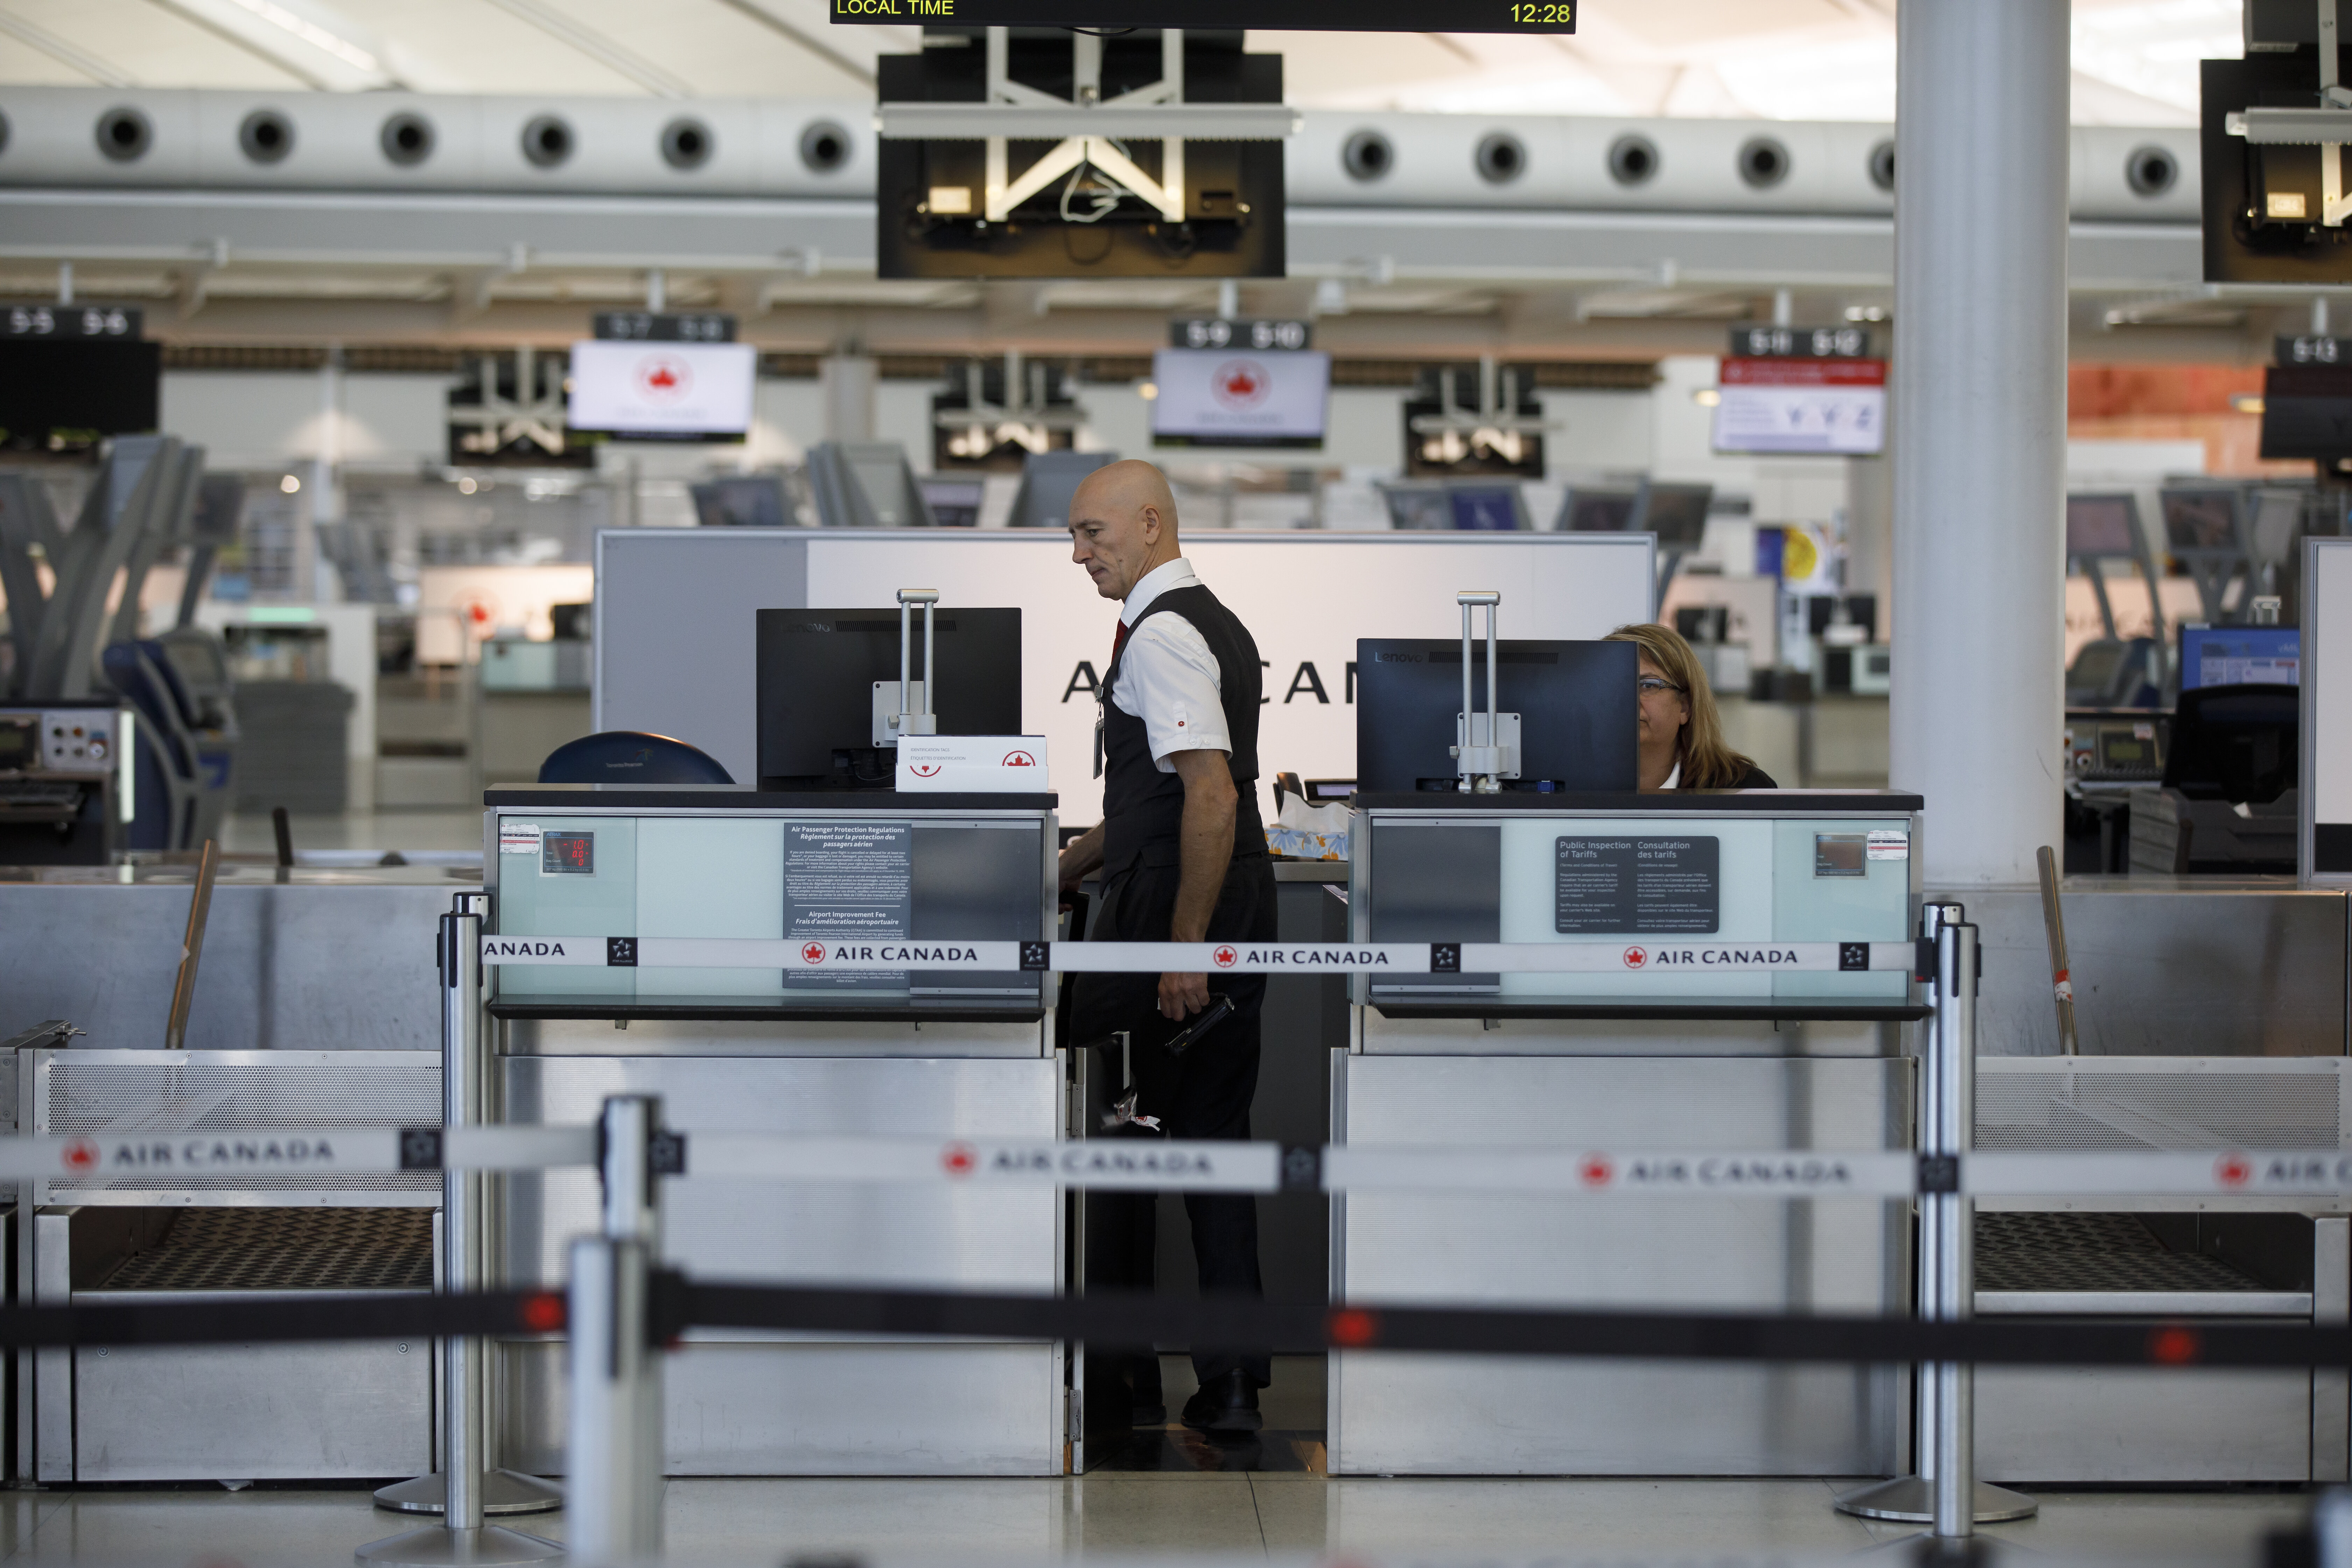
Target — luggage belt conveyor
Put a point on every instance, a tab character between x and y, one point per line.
230	1412
2161	1258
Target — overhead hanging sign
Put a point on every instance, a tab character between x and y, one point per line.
1301	16
1828	406
664	327
676	390
1801	342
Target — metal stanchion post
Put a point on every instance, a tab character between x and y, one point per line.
613	1456
1946	1423
460	1492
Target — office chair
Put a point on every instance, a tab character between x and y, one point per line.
631	757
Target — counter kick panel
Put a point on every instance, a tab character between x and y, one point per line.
1469	1415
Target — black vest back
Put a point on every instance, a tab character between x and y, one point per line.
1143	808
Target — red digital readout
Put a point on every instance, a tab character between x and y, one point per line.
573	852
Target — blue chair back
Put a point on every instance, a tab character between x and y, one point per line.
631	757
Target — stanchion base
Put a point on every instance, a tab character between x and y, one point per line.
435	1547
503	1492
1907	1500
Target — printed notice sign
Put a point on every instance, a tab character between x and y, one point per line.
519	838
848	881
1653	885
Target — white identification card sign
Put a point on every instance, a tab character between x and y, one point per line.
520	838
994	764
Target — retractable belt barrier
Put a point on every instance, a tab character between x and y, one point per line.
1167	1165
1665	955
679	1304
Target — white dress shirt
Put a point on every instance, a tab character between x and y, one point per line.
1167	675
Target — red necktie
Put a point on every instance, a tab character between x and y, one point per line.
1118	642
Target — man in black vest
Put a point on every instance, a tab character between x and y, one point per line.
1183	857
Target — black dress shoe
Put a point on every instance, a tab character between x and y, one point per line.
1227	1404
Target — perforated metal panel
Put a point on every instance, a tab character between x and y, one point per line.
109	1092
285	1249
2090	1252
2085	1103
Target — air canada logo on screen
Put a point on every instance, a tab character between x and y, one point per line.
1241	383
664	378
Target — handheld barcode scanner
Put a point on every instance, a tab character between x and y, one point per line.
1122	1111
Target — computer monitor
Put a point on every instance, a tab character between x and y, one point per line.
2102	527
1048	482
954	503
1418	505
1675	514
753	501
2204	521
1596	510
1576	704
817	669
2238	743
2241	655
1485	509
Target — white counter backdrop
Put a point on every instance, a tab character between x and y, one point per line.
674	639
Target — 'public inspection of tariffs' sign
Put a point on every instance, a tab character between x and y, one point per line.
1643	885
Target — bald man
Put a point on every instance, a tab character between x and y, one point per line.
1183	857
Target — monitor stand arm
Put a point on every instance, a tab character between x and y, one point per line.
1487	745
908	720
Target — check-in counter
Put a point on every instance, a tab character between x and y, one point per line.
1676	1047
884	1053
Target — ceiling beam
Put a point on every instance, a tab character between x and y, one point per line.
613	55
99	71
801	37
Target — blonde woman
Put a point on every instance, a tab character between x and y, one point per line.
1682	740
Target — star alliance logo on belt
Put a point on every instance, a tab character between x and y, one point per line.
620	952
1037	956
1445	958
1853	955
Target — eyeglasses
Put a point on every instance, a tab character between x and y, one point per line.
1650	685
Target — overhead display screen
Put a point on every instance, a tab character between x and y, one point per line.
665	391
1302	15
1803	405
1216	397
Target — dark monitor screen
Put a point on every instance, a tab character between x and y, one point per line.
2306	411
1596	511
1417	506
1677	514
112	385
1485	509
220	506
817	669
750	501
2099	526
2201	519
1576	702
954	503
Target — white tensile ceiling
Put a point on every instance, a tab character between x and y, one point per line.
2135	60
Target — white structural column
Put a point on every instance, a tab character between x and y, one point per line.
1979	429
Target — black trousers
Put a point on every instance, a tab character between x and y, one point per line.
1203	1093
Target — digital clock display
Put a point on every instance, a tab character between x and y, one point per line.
568	854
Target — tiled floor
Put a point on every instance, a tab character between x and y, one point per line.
1249	1515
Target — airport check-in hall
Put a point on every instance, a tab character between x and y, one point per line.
852	783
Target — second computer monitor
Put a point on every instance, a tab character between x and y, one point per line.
817	669
1576	702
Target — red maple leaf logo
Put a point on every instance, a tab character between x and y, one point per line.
663	376
1223	957
1019	759
814	952
1635	957
2233	1170
923	770
1595	1171
958	1159
79	1154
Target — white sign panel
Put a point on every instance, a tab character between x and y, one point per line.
1801	406
662	389
1228	397
1002	764
675	615
2326	794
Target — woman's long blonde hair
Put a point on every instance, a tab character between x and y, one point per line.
1707	763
